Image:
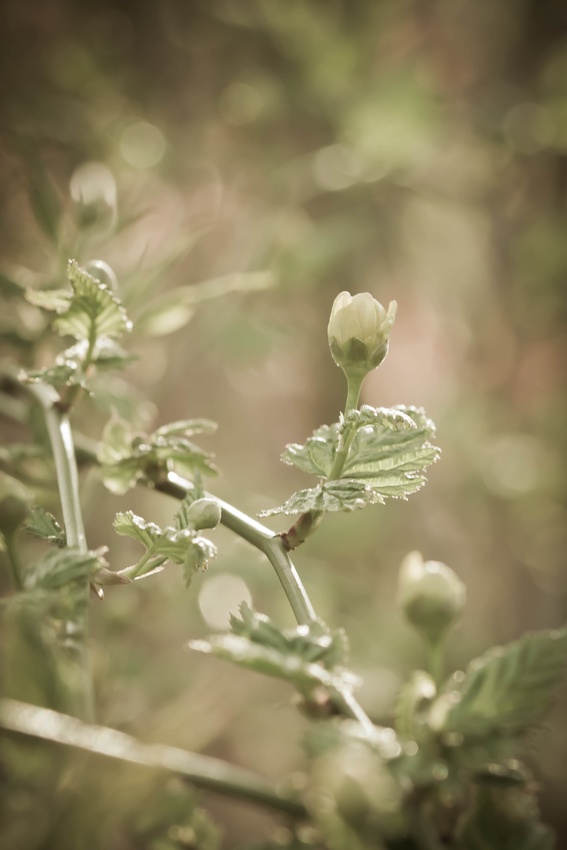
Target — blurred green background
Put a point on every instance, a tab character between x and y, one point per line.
416	150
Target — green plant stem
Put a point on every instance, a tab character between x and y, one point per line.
260	537
436	660
73	393
346	438
309	521
61	438
202	771
13	559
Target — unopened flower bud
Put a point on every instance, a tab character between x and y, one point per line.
93	191
359	332
204	513
431	595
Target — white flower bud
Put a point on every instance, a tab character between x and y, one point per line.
431	595
359	332
93	191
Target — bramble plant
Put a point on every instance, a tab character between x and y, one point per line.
447	775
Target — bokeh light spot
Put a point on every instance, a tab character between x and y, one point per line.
220	597
142	145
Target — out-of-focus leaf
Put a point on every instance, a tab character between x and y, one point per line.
266	660
506	690
414	697
125	457
43	195
62	567
65	374
49	299
187	427
342	495
176	308
507	819
42	524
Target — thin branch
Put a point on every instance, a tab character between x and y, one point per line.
267	542
203	771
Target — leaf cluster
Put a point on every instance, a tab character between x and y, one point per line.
127	456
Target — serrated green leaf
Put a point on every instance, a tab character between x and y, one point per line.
313	643
266	660
506	690
62	567
42	524
393	418
318	453
342	495
107	354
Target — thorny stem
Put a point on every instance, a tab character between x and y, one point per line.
202	771
61	438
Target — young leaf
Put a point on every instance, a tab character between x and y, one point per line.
42	524
393	418
65	374
342	495
90	311
186	428
506	690
318	453
182	546
126	457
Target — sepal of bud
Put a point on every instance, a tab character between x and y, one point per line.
359	332
431	595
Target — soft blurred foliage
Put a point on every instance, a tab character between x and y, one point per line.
415	150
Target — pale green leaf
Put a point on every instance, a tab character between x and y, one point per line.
266	660
42	524
177	545
186	428
50	299
93	310
318	453
393	418
342	495
506	690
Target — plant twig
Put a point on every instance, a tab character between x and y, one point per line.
203	771
61	438
263	539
